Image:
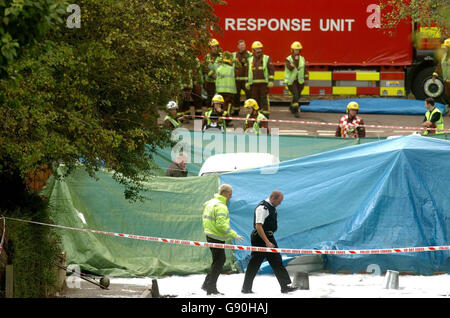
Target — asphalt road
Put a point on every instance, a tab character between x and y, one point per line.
283	113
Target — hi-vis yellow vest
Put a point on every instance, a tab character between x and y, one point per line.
255	127
297	73
175	122
216	220
439	124
266	70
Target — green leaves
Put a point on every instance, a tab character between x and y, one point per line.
435	13
95	92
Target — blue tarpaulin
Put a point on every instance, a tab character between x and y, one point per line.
386	194
394	106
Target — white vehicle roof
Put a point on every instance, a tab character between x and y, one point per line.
228	162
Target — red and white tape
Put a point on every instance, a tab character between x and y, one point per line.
251	248
303	122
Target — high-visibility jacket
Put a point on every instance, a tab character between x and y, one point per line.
221	122
216	219
439	124
175	122
256	126
298	73
265	68
225	80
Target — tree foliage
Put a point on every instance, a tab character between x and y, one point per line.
24	22
94	92
434	13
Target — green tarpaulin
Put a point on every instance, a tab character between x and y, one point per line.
173	209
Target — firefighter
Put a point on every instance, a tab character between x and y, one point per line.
350	124
172	120
294	76
254	126
443	69
209	67
217	104
433	118
240	59
260	77
226	82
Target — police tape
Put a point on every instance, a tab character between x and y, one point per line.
249	248
303	122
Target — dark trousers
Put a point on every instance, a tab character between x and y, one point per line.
218	256
240	85
259	92
447	92
210	88
296	91
197	98
257	258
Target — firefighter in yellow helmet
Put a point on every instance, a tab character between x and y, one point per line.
225	81
209	67
350	124
216	110
259	123
260	77
443	69
294	75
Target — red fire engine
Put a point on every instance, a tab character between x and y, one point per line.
346	50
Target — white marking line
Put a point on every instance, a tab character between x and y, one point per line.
292	130
405	131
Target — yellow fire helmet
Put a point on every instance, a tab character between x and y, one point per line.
257	45
352	105
296	46
251	103
213	42
446	43
217	99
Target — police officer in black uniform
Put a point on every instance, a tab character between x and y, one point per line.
265	224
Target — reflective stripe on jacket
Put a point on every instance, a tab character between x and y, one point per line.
250	70
176	123
298	73
225	81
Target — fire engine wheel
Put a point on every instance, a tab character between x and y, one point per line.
423	85
433	88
